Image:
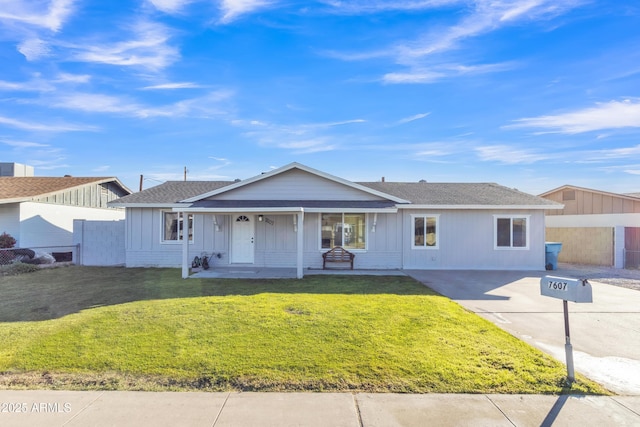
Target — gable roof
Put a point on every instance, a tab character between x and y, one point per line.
631	196
301	167
169	193
20	189
456	195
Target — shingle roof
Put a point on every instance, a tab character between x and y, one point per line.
171	192
419	193
473	194
26	188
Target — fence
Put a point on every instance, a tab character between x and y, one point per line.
40	254
631	259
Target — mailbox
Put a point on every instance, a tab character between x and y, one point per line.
576	290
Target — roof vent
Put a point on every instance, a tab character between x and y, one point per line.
423	180
237	180
67	176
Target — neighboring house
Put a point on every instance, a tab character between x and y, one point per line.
39	211
595	227
288	217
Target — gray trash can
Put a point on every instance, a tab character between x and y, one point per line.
552	249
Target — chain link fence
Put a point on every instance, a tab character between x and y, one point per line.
39	255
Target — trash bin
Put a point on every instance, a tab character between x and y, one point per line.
552	249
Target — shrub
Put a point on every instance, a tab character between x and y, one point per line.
6	241
17	268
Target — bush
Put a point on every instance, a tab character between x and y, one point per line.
6	241
17	268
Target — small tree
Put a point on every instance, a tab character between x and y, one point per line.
6	241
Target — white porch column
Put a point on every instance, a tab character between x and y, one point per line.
300	245
619	245
185	245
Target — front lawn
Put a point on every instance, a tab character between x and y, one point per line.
148	329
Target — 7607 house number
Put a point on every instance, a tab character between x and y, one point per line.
558	286
36	407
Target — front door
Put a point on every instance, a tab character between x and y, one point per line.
242	239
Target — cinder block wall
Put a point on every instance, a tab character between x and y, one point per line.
584	245
101	242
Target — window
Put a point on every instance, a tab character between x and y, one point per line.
512	232
425	235
343	229
172	227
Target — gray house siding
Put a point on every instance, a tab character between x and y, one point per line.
296	185
466	240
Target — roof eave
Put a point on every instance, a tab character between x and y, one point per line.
482	207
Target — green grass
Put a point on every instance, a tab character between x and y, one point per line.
147	329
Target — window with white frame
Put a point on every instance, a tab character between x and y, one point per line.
425	231
172	227
348	230
511	232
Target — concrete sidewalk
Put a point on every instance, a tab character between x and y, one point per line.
117	408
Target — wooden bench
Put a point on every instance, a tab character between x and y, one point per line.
337	254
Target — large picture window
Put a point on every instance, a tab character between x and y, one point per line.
425	231
511	232
343	229
172	228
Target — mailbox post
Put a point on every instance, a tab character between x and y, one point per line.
576	290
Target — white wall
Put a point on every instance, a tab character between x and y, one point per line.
43	224
101	242
10	220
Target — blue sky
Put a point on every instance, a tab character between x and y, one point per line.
531	94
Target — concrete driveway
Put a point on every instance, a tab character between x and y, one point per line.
605	334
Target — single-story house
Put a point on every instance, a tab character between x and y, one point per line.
289	216
39	211
595	227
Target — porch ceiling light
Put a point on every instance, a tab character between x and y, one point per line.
260	218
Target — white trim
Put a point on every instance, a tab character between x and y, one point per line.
289	167
412	237
511	247
239	210
366	232
481	207
146	205
177	241
351	210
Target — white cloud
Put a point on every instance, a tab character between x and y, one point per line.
204	106
148	48
40	13
485	16
34	49
609	115
40	127
508	155
413	118
169	86
169	6
232	9
375	6
22	144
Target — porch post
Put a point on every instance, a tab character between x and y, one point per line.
185	245
300	246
